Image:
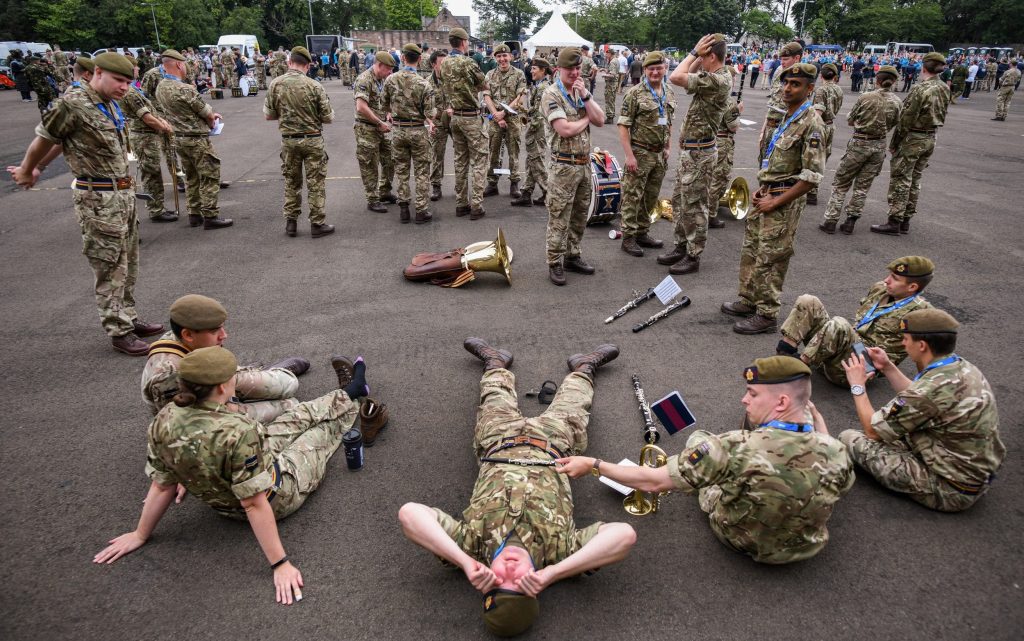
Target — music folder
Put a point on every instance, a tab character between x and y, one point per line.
673	413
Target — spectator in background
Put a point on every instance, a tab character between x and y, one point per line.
755	69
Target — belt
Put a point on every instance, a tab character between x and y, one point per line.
275	473
923	131
867	137
401	122
778	188
191	135
103	184
706	143
360	121
309	135
725	134
963	488
650	148
514	441
465	112
828	122
571	159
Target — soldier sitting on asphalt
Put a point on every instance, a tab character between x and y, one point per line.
517	536
938	440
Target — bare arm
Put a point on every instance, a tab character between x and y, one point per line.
158	499
567	129
645	479
610	545
287	579
420	526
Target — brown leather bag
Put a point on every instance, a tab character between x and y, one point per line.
439	268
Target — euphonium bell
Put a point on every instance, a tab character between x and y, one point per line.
494	256
640	503
662	209
737	198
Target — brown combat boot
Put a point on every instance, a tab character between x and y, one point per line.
294	364
588	363
578	265
423	217
756	324
645	240
630	246
143	328
688	265
671	258
514	191
403	213
344	368
848	225
130	344
738	308
828	226
490	190
492	357
891	228
373	417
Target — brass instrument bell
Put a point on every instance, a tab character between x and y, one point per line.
737	198
662	209
640	503
495	256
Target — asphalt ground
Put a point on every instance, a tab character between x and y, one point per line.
74	424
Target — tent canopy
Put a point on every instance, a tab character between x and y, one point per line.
556	33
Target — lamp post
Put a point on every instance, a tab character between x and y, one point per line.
152	10
309	3
803	14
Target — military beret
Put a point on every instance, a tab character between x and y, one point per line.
302	51
928	321
509	613
411	47
115	63
791	49
934	57
654	58
569	57
458	32
198	312
385	58
542	63
776	369
912	266
829	65
208	366
502	49
86	62
800	70
889	69
173	54
718	37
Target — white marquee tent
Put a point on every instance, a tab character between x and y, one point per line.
556	33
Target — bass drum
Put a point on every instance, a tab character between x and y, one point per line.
606	177
249	86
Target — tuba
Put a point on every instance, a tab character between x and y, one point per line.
640	503
662	209
737	198
494	256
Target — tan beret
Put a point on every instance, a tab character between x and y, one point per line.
508	613
775	369
829	65
115	63
502	49
85	62
385	58
302	51
800	70
173	54
654	58
570	57
912	266
198	312
791	49
208	366
934	56
889	69
458	32
411	47
928	321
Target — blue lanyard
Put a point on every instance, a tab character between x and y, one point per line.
502	547
659	99
409	68
781	130
76	84
167	76
872	315
118	120
789	427
952	358
568	98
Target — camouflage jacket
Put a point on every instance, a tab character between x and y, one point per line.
227	60
136	105
94	146
181	104
299	103
799	152
777	488
884	331
150	80
1009	80
219	455
371	91
710	93
407	96
776	105
587	68
555	105
506	86
160	375
948	418
440	99
423	68
923	108
828	100
534	115
462	81
639	112
875	113
41	80
730	119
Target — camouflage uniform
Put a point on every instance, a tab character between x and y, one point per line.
265	394
588	71
261	71
990	75
146	144
373	147
939	442
60	70
222	456
698	152
776	113
442	132
1005	92
959	79
828	100
423	68
182	106
410	101
278	64
536	142
768	492
150	81
226	71
829	341
569	180
532	502
648	139
462	79
872	116
301	107
506	87
612	81
924	111
768	238
726	135
42	83
95	149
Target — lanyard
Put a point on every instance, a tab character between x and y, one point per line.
872	314
578	104
778	133
409	68
952	358
117	120
502	547
659	99
789	427
76	84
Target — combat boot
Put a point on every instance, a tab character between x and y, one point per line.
513	190
812	198
589	363
389	198
490	190
556	274
165	217
716	222
373	417
738	308
294	364
318	230
542	199
462	211
756	324
578	265
403	212
828	226
143	328
848	225
904	226
891	228
671	258
377	207
435	193
688	265
344	369
423	217
492	357
630	247
645	240
130	344
217	223
477	214
195	220
291	227
524	200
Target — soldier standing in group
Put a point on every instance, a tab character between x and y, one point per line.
192	119
424	68
794	161
828	100
41	82
536	138
373	140
88	127
410	101
442	125
227	66
218	68
570	111
588	70
302	108
462	81
81	73
703	74
872	117
1005	92
612	80
147	131
645	132
924	111
507	86
788	56
261	70
60	69
959	80
726	136
990	74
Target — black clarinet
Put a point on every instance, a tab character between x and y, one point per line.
638	298
651	434
743	81
682	302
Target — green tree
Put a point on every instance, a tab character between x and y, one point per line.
625	21
682	24
762	25
60	21
406	14
508	17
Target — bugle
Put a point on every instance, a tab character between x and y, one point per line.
641	503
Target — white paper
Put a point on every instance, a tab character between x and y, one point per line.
502	172
667	290
508	109
217	128
615	485
747	123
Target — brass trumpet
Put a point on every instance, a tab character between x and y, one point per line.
662	209
640	503
737	198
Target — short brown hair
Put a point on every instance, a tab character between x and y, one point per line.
940	343
922	281
934	66
718	50
455	42
299	59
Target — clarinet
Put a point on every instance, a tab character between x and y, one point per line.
651	434
682	302
638	298
743	81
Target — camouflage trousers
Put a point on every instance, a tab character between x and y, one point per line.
640	190
202	175
536	159
764	259
906	167
439	144
469	144
222	77
309	154
827	341
859	166
563	424
956	91
569	194
1003	98
266	394
43	99
722	170
149	148
110	240
830	132
691	198
510	136
611	91
376	167
261	76
411	146
898	469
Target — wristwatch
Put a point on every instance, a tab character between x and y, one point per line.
857	390
596	470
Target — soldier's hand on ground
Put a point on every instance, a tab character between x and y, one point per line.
288	583
22	178
480	576
574	466
855	372
534	582
122	545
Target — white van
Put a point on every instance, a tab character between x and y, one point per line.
874	50
246	45
26	48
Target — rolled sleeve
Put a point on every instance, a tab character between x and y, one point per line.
705	461
556	114
42	132
250	465
813	155
253	486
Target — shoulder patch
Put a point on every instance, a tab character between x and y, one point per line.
251	462
815	141
698	453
